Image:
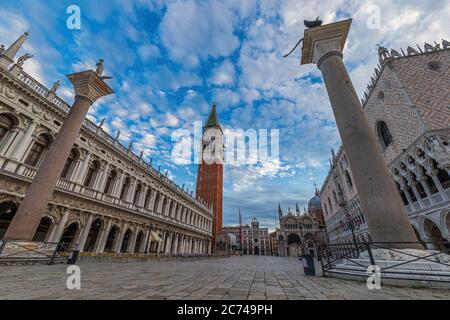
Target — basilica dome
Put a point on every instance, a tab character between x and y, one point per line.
314	204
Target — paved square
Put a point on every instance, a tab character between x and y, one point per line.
247	277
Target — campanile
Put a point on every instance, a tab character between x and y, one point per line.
210	170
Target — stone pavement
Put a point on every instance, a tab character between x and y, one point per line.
236	278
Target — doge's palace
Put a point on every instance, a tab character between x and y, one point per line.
108	199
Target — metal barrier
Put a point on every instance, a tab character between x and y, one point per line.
354	259
34	252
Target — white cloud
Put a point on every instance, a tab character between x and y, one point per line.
193	30
224	74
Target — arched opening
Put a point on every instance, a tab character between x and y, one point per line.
68	165
416	232
434	235
43	229
112	235
294	238
442	175
6	124
126	241
92	237
384	135
256	252
125	188
139	239
7	212
38	149
94	168
70	233
109	185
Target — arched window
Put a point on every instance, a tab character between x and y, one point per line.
137	194
348	179
384	134
125	187
37	150
147	198
94	167
68	164
329	203
112	175
6	124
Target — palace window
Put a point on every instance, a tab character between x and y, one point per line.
125	188
94	167
137	194
70	160
37	150
6	124
384	135
147	198
112	175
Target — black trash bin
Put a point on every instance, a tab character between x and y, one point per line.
73	256
308	265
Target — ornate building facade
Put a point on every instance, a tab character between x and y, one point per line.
108	199
210	170
255	240
300	234
407	105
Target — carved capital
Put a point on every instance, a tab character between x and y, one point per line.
89	85
322	40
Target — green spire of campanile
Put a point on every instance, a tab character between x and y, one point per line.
213	119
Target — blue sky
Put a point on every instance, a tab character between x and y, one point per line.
171	59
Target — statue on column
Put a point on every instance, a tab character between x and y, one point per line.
23	58
100	67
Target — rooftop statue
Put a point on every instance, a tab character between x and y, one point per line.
23	58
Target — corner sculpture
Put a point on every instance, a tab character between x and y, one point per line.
308	24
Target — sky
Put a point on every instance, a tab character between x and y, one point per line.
171	59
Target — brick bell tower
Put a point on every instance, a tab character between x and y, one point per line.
210	170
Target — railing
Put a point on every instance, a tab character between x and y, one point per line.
354	259
34	252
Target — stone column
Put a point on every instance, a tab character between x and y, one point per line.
59	230
22	146
118	244
88	88
81	172
85	233
146	242
386	216
103	238
8	141
100	185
